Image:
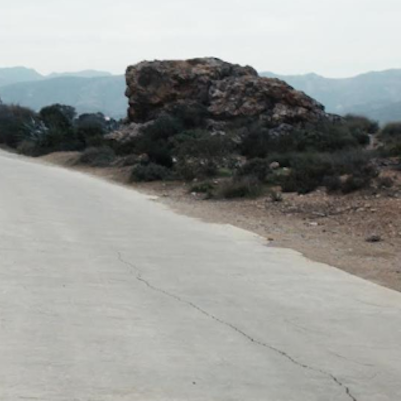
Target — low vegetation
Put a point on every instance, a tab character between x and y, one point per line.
246	162
390	137
54	128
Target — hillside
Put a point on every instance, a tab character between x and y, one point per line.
81	74
104	94
14	75
375	94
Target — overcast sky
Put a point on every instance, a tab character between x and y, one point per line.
334	38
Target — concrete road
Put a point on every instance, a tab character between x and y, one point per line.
105	295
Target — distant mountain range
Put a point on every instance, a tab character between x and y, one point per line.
376	94
88	91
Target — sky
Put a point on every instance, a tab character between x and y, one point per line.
334	38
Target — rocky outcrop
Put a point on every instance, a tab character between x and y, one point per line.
227	94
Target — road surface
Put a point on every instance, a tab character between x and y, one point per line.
106	295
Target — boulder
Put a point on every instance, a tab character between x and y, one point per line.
226	93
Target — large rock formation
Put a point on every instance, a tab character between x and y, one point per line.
228	94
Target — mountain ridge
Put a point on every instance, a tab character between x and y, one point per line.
376	94
19	74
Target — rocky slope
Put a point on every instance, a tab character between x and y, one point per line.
226	94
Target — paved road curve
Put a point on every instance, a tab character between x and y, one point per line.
105	295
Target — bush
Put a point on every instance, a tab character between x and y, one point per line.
361	124
91	128
163	128
354	183
307	173
258	168
284	159
202	187
311	170
205	187
193	168
245	187
261	142
201	154
155	140
14	123
28	148
149	172
385	182
58	116
191	116
325	137
257	143
391	131
332	183
98	157
390	136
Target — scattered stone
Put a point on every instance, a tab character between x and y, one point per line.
374	238
274	166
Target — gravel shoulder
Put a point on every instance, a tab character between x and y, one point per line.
325	228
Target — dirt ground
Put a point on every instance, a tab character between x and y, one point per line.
333	229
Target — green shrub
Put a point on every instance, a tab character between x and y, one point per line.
261	142
92	127
324	137
244	187
354	183
202	144
311	170
350	161
163	128
257	143
58	116
205	187
155	140
284	159
189	169
98	157
385	182
255	167
15	122
149	172
391	132
202	187
307	173
361	124
390	137
191	116
201	154
28	148
332	183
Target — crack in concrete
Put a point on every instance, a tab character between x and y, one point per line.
139	277
368	365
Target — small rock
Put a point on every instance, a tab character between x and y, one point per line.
314	224
374	238
274	166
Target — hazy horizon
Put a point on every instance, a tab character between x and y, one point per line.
334	39
260	71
